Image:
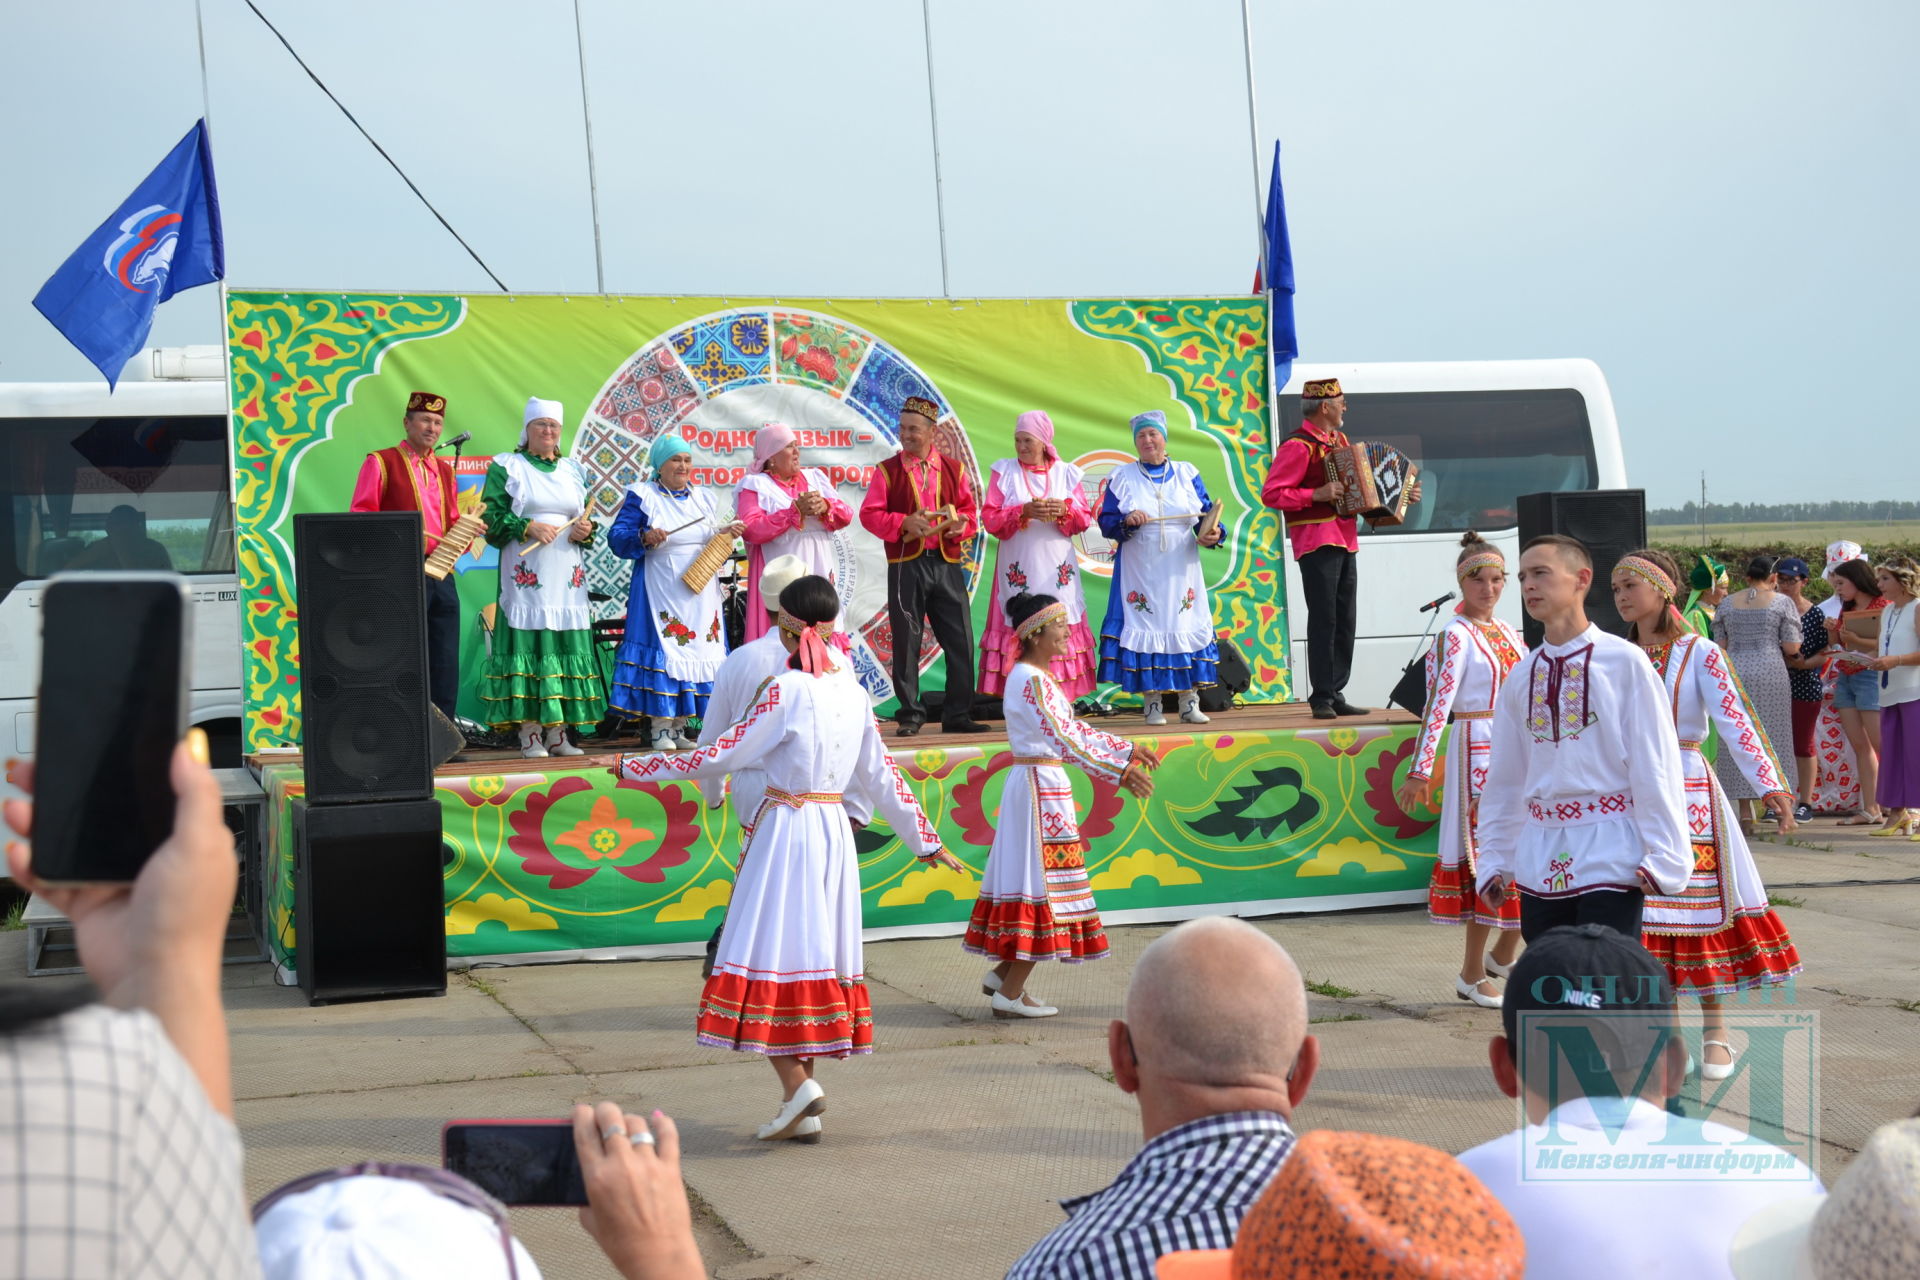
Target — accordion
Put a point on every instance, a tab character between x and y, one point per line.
1377	480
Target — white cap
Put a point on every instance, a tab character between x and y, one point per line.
538	408
375	1228
776	576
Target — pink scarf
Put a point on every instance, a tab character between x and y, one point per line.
1037	424
770	439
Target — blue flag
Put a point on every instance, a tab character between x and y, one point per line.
1274	276
163	238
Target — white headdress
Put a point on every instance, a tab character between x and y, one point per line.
538	408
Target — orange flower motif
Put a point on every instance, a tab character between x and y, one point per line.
604	834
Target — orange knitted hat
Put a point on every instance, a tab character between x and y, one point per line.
1364	1207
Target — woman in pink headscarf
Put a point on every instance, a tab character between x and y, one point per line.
789	510
1034	507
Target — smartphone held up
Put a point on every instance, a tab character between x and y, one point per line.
112	706
518	1162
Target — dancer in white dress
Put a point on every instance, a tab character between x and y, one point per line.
1035	902
1465	669
787	980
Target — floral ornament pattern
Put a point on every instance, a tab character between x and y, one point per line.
749	333
1186	601
1063	576
977	824
603	836
673	629
524	576
1016	576
579	578
1380	798
489	788
713	630
1138	599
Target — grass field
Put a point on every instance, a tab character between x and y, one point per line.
1869	534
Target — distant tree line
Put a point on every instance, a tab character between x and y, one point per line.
1779	512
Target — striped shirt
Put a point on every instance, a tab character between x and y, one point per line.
1187	1189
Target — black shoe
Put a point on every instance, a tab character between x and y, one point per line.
966	726
1323	710
1342	707
906	731
1803	813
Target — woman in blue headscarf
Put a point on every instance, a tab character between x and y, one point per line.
1158	634
675	637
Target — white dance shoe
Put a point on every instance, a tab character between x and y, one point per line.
681	738
1716	1070
807	1102
1154	714
1497	969
663	741
1020	1008
557	744
530	745
990	983
1190	709
1471	991
808	1131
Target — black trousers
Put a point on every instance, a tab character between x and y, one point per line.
1616	908
443	644
1332	583
927	587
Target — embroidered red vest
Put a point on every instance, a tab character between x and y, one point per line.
1317	512
396	487
901	497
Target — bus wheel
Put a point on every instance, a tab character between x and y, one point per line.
223	743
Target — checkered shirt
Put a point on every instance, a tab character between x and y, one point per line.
1187	1189
113	1163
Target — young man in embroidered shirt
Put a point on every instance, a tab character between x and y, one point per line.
1600	1177
1215	1047
1584	808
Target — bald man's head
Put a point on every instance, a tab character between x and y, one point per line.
1216	1002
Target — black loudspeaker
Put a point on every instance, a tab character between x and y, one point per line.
1609	522
369	900
363	656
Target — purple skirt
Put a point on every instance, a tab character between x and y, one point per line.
1899	755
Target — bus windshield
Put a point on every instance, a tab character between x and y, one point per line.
115	494
1476	450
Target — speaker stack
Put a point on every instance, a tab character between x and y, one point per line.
1609	522
368	872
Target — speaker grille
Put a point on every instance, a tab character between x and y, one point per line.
363	656
1609	522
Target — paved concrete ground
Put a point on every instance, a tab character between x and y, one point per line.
946	1149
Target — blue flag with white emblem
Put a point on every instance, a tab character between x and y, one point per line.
163	238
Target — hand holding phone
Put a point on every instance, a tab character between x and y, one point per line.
516	1161
639	1217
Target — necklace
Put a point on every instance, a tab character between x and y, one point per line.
1046	481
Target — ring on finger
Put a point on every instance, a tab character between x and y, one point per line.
641	1139
612	1131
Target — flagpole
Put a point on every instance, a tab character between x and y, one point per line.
586	121
933	119
206	98
1253	145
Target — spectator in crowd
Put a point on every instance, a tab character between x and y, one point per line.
387	1220
1357	1204
1759	629
120	1157
1215	1047
1856	690
1803	681
125	546
1898	665
1608	992
1709	583
1866	1228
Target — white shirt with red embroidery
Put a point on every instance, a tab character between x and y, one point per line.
1584	784
1465	669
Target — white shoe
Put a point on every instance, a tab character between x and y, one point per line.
1471	991
557	744
990	983
663	741
1715	1070
1190	709
1497	969
1154	714
808	1130
530	745
808	1100
681	738
1005	1008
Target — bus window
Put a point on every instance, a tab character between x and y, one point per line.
115	494
1477	450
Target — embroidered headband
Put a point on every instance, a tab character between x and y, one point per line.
815	660
1039	618
1477	561
1649	572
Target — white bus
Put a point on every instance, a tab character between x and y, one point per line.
139	479
1483	433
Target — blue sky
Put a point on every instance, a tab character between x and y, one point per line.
1714	200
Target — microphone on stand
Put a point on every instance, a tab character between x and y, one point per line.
1431	605
454	443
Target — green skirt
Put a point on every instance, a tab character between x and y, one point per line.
551	677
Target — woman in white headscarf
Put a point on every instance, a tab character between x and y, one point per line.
540	673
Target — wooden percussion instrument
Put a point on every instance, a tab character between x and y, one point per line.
1378	479
717	552
454	543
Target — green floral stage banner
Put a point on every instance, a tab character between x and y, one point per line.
321	380
564	860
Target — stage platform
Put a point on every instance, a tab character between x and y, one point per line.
1265	810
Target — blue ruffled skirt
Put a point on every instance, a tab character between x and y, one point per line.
641	683
1149	672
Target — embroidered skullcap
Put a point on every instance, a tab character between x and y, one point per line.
1320	389
780	573
538	408
922	406
1838	553
1362	1205
1037	424
426	402
666	445
1151	420
770	439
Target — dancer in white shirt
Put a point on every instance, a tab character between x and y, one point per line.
787	980
1582	811
1467	665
